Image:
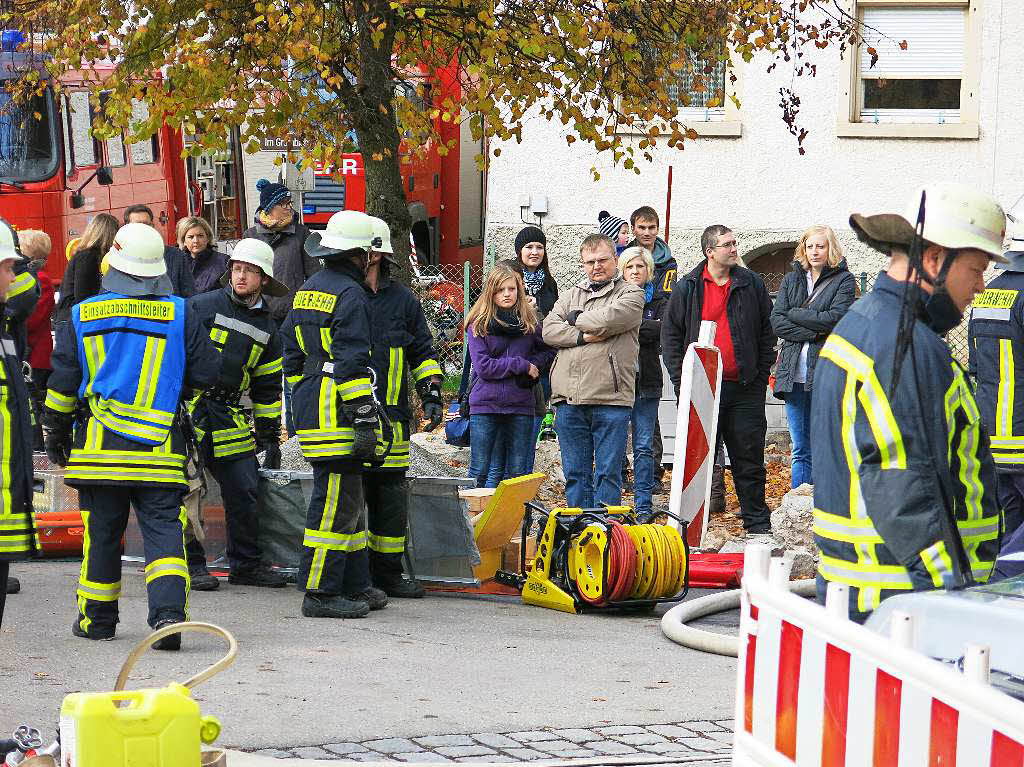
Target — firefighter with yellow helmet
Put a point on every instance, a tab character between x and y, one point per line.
904	483
326	338
17	534
112	417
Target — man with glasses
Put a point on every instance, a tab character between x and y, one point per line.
719	289
277	224
594	325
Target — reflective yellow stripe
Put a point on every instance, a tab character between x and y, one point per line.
325	340
316	567
62	403
856	574
837	528
20	284
159	568
396	370
292	380
386	544
356	387
99	592
298	339
266	410
269	368
160	417
1004	395
94	356
328	541
425	369
937	562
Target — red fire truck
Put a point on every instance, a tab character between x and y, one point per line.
55	176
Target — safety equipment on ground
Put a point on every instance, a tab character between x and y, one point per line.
258	253
600	558
106	727
272	456
959	218
138	250
346	230
9	243
363	417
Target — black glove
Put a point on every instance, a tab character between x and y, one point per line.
272	455
57	441
430	396
363	417
572	316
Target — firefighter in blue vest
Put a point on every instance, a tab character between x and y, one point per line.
111	417
238	321
17	534
326	339
402	344
995	339
904	483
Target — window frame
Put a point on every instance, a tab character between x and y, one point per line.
849	124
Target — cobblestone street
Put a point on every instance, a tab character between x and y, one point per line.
613	744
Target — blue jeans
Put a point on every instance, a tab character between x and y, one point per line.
645	416
798	413
500	447
592	440
545	382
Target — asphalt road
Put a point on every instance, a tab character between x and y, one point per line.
444	664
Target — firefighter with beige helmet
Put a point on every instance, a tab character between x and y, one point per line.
904	482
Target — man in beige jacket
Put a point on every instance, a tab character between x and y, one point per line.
594	327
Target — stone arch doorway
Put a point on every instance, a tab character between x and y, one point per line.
771	261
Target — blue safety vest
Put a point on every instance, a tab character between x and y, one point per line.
133	352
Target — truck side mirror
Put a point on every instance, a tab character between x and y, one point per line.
103	175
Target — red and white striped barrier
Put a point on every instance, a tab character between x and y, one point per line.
696	425
815	689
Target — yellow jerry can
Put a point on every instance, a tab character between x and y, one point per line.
140	728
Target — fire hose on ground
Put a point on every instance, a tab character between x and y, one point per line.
674	622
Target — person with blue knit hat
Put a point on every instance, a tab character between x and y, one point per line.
277	224
615	229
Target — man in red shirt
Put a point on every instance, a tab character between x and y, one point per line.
719	289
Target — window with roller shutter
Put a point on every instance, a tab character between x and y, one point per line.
916	71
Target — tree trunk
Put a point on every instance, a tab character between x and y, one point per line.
376	130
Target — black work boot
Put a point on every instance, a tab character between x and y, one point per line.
375	598
200	578
260	575
399	587
13	585
102	632
171	642
316	605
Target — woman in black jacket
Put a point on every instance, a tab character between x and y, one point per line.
82	274
195	239
813	297
637	266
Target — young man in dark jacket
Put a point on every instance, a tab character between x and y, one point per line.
722	291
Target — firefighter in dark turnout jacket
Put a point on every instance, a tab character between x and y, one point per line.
17	534
326	339
995	340
903	479
123	360
239	323
401	342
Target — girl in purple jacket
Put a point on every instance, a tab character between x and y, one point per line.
508	357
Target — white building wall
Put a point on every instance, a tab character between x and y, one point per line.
759	184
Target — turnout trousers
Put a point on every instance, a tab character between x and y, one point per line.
334	557
387	506
238	478
161	519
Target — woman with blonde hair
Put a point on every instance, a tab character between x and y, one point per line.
82	274
813	297
637	266
195	239
508	358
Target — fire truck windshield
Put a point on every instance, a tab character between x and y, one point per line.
28	146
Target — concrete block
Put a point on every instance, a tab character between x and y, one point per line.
393	745
313	752
525	754
576	735
610	747
344	749
423	757
640	739
494	740
531	736
671	730
619	730
465	750
434	741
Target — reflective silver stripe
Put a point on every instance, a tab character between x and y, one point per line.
107	593
242	327
991	314
9	348
169	568
864	575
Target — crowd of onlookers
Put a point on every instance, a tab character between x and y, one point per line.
596	353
